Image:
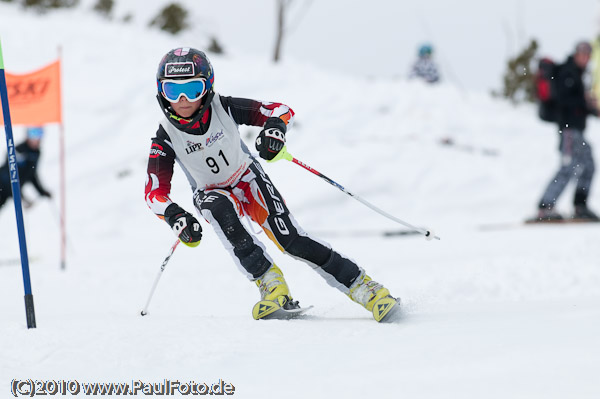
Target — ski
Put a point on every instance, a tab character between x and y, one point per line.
534	222
560	221
366	233
271	310
285	314
387	310
449	142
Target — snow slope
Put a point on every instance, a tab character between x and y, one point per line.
489	313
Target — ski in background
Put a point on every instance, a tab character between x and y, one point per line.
534	222
366	233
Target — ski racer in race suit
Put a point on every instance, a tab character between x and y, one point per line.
200	133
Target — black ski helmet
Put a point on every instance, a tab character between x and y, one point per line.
179	64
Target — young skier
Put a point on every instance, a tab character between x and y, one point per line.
200	132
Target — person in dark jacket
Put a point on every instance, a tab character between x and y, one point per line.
577	161
28	155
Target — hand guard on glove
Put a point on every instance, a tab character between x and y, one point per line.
184	225
271	139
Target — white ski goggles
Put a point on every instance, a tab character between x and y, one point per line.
192	89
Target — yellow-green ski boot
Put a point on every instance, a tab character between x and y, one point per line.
274	293
373	296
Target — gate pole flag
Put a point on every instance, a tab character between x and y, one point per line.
35	96
16	189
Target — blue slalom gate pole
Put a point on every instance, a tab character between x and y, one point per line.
16	190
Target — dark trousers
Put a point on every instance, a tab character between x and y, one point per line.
256	197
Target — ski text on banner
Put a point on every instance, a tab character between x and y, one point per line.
35	97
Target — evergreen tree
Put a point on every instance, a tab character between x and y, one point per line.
519	78
171	18
104	7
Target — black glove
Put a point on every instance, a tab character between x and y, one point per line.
271	139
185	226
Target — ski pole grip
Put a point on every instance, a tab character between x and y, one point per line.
283	154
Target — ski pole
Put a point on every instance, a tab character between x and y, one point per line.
162	269
16	189
283	154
